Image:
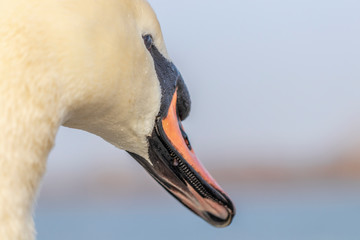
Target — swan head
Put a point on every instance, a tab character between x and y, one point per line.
138	101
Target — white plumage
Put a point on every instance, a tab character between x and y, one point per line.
77	63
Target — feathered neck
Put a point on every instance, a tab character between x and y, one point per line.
28	126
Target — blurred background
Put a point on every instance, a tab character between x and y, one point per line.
275	119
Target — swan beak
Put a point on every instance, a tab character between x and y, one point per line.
175	166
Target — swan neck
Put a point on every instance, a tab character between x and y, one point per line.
28	130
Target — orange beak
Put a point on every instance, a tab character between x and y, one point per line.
201	193
173	164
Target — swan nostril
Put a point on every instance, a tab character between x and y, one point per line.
186	139
188	143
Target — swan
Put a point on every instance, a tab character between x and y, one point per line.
99	66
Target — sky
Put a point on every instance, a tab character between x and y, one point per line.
266	78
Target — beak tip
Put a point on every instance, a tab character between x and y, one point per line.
219	221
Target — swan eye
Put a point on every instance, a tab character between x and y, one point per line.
148	41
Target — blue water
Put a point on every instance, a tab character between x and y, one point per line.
331	216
